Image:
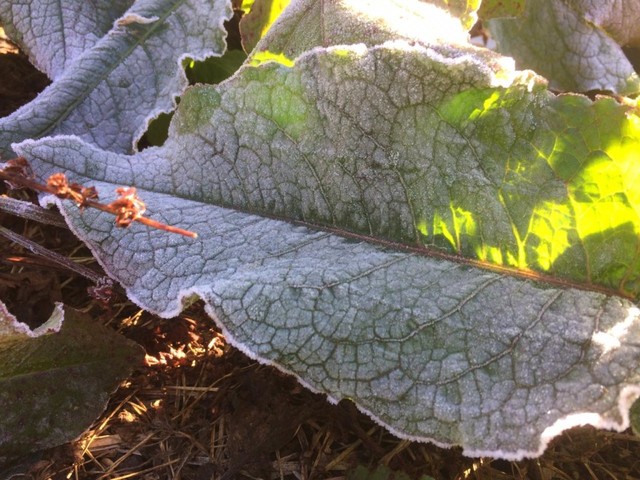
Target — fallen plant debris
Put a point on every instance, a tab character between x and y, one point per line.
42	252
127	208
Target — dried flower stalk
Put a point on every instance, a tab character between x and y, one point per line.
127	208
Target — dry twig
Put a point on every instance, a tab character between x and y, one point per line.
127	207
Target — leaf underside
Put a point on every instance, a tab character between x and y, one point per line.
425	146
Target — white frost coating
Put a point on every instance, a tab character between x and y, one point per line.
230	338
130	18
305	25
55	33
359	49
557	39
10	326
51	200
348	318
502	71
570	421
115	86
611	339
619	18
262	253
627	397
519	455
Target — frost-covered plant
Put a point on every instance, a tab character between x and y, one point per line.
383	210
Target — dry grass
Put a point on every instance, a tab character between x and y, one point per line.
201	410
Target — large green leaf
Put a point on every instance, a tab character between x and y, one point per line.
465	10
56	379
395	174
108	93
576	44
257	21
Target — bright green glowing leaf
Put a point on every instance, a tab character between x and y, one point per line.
246	5
485	253
465	10
550	221
266	56
262	14
422	227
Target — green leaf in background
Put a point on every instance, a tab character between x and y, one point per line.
157	132
211	70
57	379
430	146
576	44
634	415
261	16
108	93
465	10
215	69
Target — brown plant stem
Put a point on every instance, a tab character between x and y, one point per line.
84	201
30	211
50	255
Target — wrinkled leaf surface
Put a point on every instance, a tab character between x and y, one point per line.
576	44
54	34
109	92
414	226
433	348
307	24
